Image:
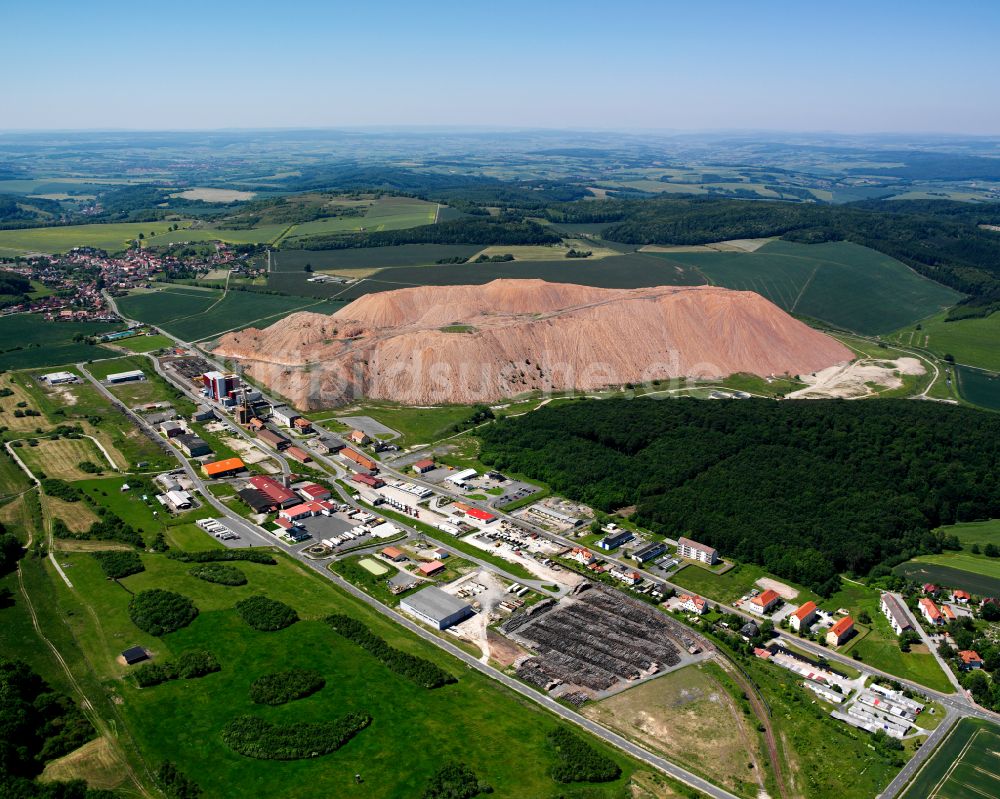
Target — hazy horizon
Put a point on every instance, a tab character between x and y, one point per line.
862	69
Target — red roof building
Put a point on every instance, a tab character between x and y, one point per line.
314	491
764	601
803	617
275	491
428	569
358	458
930	611
840	631
299	454
422	466
970	659
368	480
960	596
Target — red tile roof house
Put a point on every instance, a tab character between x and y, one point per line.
392	553
764	602
840	631
960	596
694	604
930	611
970	660
803	617
930	589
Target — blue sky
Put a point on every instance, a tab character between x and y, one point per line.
694	65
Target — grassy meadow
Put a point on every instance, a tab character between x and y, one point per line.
974	342
413	730
27	341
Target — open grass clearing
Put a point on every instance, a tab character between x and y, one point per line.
845	285
210	195
95	762
969	533
62	458
142	344
548	252
729	586
412	730
689	717
77	515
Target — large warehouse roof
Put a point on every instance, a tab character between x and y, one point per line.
434	603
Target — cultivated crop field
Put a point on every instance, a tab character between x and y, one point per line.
958	576
193	314
27	340
258	235
112	237
843	284
367	258
966	765
413	729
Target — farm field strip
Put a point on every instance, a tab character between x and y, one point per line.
924	572
965	765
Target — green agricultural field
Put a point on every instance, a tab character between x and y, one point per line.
879	647
112	237
264	234
978	387
194	314
413	729
140	392
368	258
966	764
977	564
634	270
843	284
974	342
950	576
142	344
163	305
27	341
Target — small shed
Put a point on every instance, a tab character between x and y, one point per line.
135	654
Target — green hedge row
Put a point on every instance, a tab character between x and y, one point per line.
196	663
253	737
215	555
286	686
421	671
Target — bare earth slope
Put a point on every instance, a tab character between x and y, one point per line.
519	335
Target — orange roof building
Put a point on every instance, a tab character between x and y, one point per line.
840	631
427	569
970	659
803	616
223	468
764	601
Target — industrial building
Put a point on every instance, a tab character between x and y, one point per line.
436	608
692	550
284	415
650	551
422	466
462	477
556	515
273	439
615	539
219	386
368	480
193	445
126	377
56	378
313	491
281	496
299	454
362	460
223	468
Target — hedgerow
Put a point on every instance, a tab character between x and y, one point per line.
219	573
286	686
578	761
216	555
196	663
455	781
253	737
159	612
265	614
117	564
414	668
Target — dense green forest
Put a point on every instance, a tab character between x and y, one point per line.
941	239
503	230
808	489
37	725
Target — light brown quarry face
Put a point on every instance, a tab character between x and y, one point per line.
466	344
